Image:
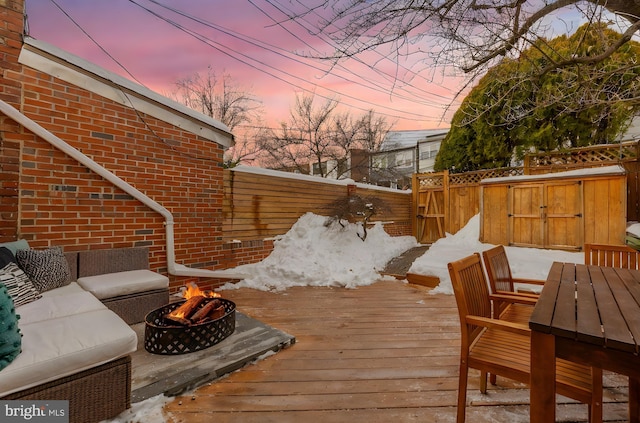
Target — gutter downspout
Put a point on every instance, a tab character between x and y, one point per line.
173	268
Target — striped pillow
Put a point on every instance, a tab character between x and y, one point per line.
18	284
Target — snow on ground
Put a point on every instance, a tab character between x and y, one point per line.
313	254
149	410
531	263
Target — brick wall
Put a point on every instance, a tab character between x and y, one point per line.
11	22
50	199
64	203
238	252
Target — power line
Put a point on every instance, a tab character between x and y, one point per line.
95	42
278	51
282	75
246	60
391	78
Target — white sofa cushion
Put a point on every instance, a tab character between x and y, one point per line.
55	306
60	347
111	285
64	290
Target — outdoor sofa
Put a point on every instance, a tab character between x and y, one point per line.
76	347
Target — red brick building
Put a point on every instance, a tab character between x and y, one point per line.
90	160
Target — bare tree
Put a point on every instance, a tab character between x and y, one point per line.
471	35
245	150
357	209
220	97
320	138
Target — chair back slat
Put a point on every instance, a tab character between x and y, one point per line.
621	256
472	293
498	269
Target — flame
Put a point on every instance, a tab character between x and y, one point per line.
178	314
192	290
189	291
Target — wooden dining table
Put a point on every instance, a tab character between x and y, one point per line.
589	315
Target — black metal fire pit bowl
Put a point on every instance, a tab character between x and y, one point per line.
161	336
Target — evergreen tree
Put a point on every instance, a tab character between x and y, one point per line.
517	108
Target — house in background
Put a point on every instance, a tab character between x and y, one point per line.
401	154
404	153
633	131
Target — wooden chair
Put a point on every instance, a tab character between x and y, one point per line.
611	255
502	283
503	348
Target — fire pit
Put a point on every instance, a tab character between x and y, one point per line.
190	325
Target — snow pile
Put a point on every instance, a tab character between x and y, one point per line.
531	263
634	229
450	248
313	253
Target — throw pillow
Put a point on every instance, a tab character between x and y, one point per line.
47	269
10	336
18	285
6	257
14	246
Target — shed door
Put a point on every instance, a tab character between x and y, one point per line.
546	215
563	215
526	202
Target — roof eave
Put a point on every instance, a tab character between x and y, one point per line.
72	69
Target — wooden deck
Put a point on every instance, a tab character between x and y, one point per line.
387	352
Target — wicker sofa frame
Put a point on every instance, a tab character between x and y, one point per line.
94	395
131	308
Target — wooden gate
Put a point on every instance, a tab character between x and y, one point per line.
547	215
429	205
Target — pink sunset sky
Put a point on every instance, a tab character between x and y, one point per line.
253	42
158	42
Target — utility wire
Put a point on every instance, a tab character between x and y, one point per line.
64	12
124	94
255	64
222	49
391	78
278	51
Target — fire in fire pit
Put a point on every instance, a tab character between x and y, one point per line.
201	320
197	308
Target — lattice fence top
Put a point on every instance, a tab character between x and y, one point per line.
578	157
597	155
434	180
426	180
470	178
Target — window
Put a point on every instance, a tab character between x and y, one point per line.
404	159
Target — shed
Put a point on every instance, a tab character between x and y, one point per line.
561	210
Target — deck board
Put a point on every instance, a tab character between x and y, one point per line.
379	353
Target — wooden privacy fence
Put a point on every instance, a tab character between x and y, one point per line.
444	203
260	203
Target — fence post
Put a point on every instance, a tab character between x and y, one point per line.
446	200
526	164
415	189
